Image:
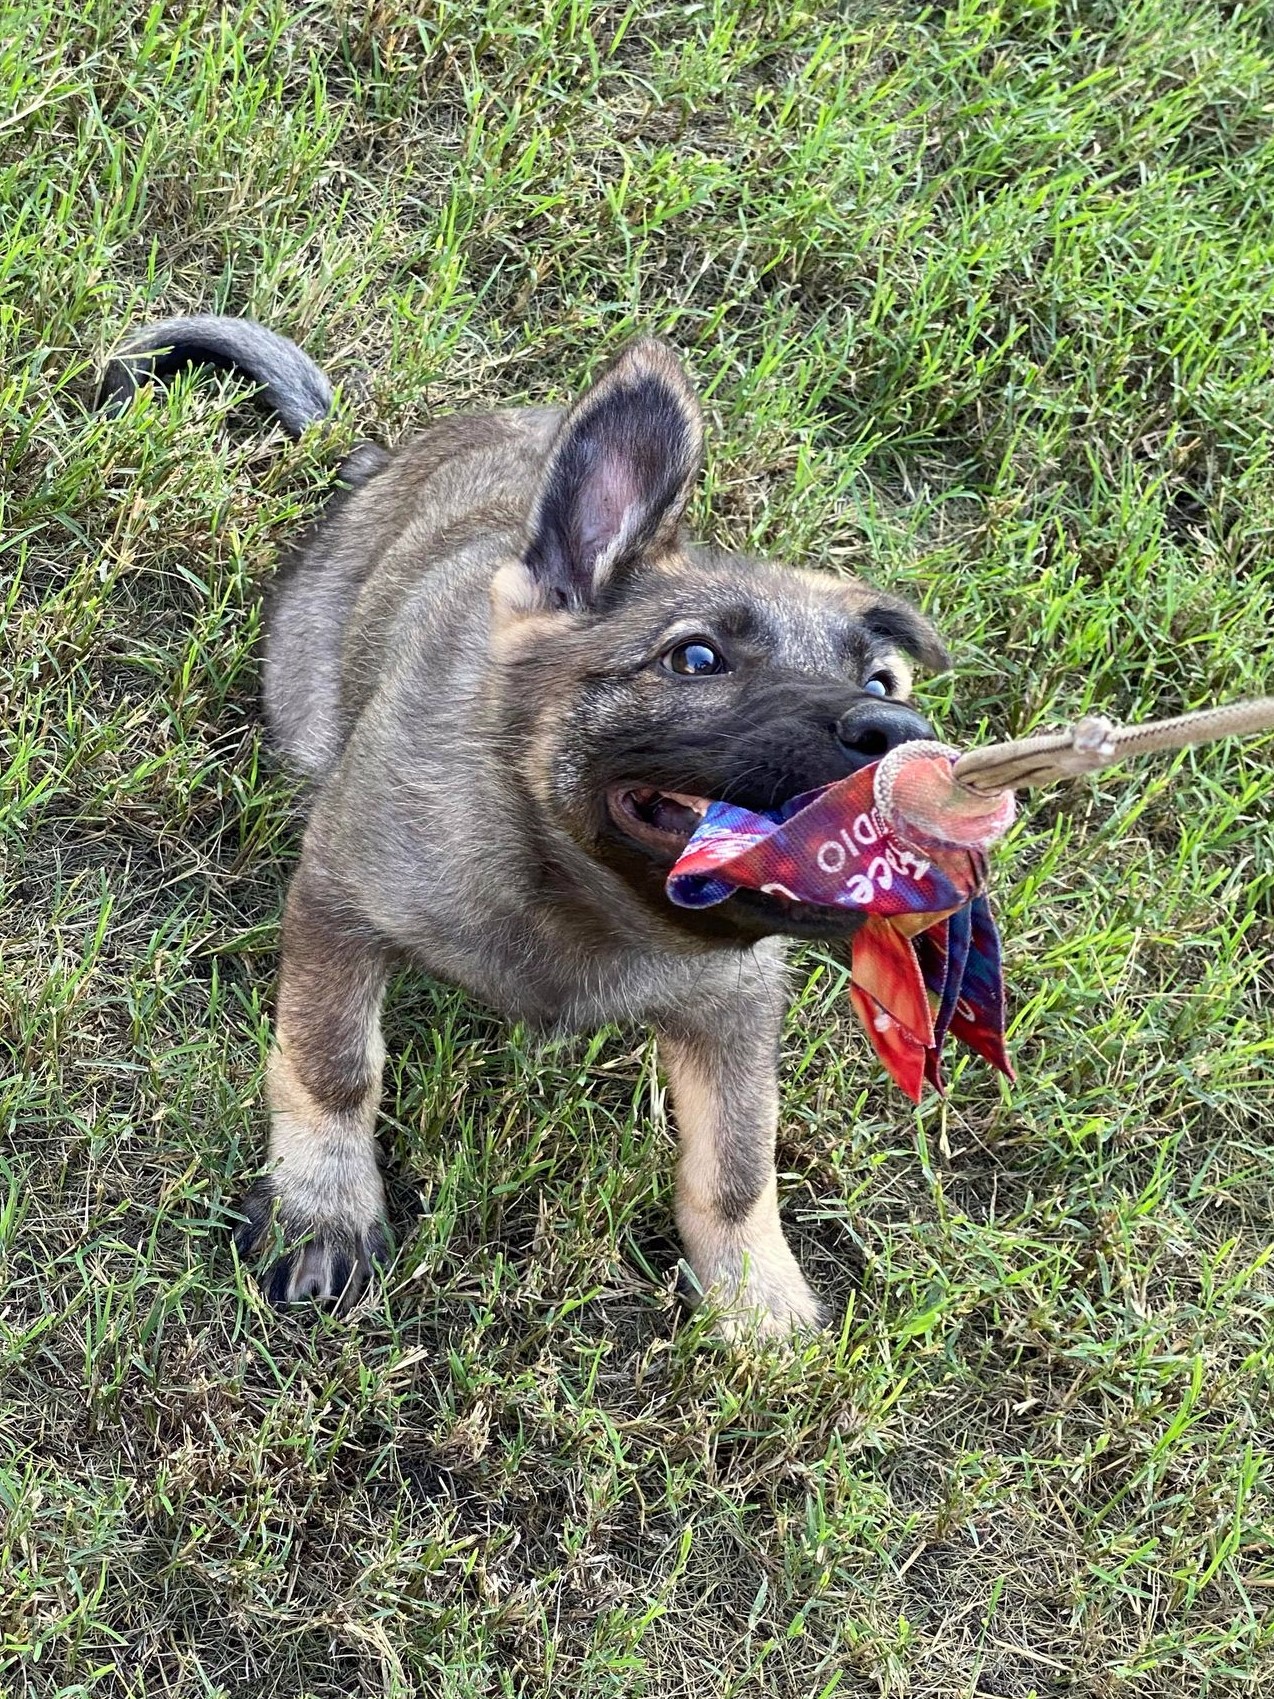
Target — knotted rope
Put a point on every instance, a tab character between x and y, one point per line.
1094	742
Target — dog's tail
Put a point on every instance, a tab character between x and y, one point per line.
292	386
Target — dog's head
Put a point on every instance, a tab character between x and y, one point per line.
643	676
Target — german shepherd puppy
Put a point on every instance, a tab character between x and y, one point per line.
515	685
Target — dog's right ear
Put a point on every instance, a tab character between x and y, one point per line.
618	478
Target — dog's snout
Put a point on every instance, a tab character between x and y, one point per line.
871	729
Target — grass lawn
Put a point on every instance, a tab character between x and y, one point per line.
981	299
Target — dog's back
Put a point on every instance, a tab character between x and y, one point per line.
393	562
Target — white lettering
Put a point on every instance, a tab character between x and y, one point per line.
880	870
906	861
831	857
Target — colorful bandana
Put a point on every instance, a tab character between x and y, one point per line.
926	960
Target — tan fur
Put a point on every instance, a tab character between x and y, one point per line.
324	1158
742	1265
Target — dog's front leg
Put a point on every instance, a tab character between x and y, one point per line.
723	1075
323	1087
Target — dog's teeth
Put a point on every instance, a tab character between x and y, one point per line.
696	804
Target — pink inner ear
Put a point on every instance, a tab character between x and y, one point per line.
605	504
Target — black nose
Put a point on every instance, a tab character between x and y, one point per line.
872	728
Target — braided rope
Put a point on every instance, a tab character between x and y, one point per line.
1093	743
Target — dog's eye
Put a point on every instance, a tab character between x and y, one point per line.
695	659
881	683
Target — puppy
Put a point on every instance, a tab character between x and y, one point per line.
515	684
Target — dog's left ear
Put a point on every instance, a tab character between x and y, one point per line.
617	481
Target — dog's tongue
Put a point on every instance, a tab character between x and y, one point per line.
672	815
928	959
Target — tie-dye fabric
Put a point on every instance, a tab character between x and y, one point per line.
926	961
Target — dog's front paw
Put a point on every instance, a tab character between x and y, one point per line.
759	1295
327	1256
760	1311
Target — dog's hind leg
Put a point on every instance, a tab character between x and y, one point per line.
323	1087
722	1066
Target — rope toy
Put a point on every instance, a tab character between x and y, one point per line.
905	843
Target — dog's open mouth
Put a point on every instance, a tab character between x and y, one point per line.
662	821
